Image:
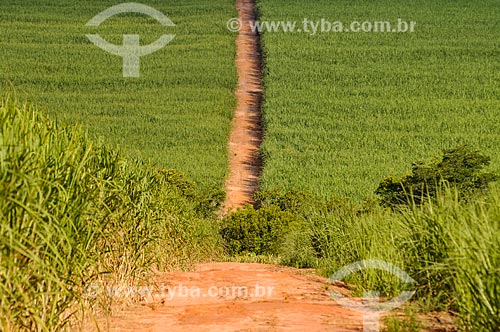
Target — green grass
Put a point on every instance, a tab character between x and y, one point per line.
344	110
408	322
177	114
74	214
450	247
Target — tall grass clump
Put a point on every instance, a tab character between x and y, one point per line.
449	245
75	214
454	252
475	266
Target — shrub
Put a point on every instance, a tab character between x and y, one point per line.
206	203
459	167
255	231
292	201
297	248
304	242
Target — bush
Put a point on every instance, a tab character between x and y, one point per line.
292	201
297	248
206	203
255	231
459	167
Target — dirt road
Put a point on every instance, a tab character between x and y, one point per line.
246	134
239	297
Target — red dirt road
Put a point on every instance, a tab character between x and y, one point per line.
228	297
246	134
213	298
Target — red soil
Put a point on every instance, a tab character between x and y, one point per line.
289	300
246	135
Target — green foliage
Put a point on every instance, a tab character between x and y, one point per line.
74	213
343	110
298	247
410	322
208	202
474	264
255	231
453	250
301	246
291	201
450	246
459	167
177	114
304	203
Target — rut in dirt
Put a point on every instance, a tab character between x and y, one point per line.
245	163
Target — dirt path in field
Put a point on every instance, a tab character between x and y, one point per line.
230	297
245	164
238	297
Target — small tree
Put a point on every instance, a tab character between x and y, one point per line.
459	167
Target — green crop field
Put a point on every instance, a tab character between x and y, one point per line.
344	110
106	181
177	114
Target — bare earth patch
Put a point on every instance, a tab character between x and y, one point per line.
245	297
277	299
246	134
